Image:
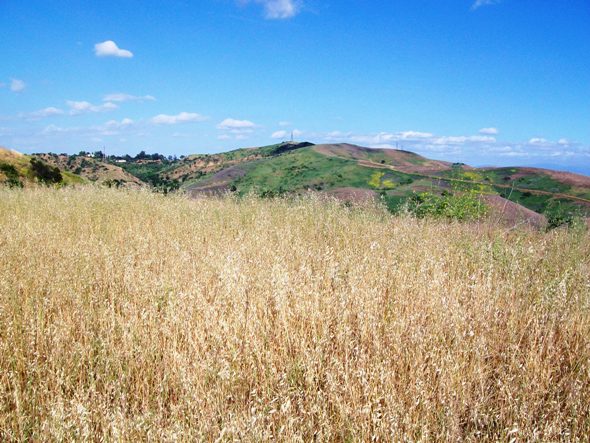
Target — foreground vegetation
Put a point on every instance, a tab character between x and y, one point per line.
127	315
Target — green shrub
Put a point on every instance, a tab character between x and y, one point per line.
45	173
12	175
459	206
561	215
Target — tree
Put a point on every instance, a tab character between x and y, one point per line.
45	173
12	176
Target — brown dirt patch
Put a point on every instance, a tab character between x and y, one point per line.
509	213
354	195
403	161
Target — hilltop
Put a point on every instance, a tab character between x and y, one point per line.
345	171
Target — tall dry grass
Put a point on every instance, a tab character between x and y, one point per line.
131	316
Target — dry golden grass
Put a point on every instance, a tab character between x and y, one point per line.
125	315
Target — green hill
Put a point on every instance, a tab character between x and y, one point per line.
345	171
20	170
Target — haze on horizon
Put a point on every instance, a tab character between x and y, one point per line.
486	82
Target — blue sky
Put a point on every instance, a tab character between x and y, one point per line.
487	82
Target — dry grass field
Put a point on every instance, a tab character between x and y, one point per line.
129	316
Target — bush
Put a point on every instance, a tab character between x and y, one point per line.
12	176
560	215
45	173
459	206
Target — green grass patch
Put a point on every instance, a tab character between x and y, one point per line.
307	169
70	178
536	181
535	202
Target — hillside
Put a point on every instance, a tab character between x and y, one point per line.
352	172
92	169
345	171
20	170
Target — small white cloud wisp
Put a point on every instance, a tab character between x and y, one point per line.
183	117
84	107
284	135
17	85
43	113
231	124
236	129
277	9
110	49
479	3
122	97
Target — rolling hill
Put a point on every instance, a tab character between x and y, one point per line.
344	171
92	169
20	170
357	173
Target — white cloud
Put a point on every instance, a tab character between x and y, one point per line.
278	9
183	117
479	3
279	135
122	97
53	129
17	85
236	129
338	135
42	113
126	122
84	107
282	134
489	131
109	128
462	139
110	49
113	127
388	137
410	135
230	124
412	138
538	141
